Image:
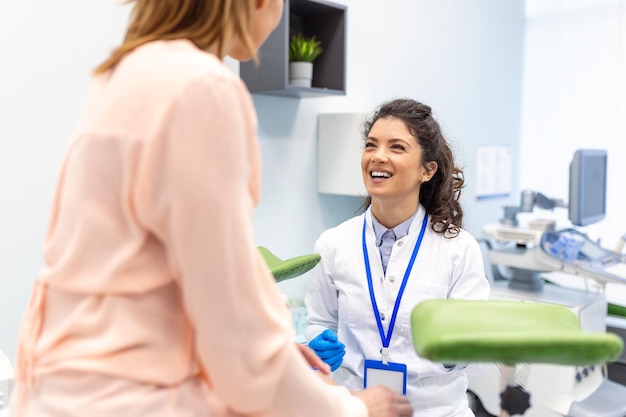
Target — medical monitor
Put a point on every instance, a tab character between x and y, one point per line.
587	186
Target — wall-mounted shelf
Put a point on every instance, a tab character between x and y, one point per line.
324	20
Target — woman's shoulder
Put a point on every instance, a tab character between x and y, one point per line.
160	77
175	66
462	238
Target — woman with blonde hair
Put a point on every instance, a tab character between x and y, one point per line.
154	300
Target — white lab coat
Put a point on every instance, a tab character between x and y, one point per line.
338	298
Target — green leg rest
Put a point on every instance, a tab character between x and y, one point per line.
284	269
509	332
616	310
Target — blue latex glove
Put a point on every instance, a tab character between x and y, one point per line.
328	348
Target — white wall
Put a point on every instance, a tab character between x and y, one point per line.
574	96
47	50
462	57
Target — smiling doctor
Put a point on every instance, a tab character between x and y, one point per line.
408	246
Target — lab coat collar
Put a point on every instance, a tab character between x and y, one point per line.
413	224
400	230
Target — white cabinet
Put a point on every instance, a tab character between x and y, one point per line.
340	145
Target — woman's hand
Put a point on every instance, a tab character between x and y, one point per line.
383	402
313	360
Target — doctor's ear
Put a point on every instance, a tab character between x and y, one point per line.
431	169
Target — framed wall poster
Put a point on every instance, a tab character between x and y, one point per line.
493	171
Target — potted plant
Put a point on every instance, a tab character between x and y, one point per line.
302	52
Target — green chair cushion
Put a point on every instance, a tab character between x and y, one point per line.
288	268
509	332
616	310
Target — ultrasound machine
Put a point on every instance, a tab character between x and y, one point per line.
566	267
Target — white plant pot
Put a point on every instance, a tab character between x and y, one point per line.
300	74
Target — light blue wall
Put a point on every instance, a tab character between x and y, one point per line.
462	57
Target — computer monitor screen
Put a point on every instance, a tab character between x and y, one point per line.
587	186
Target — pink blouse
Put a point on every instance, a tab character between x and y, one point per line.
154	299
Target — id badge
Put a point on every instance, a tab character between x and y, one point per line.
392	375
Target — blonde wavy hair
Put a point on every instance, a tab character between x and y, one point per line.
203	22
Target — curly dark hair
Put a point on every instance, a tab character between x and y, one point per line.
440	196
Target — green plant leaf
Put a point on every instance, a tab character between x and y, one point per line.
303	48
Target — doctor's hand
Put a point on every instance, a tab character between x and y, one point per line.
383	402
328	348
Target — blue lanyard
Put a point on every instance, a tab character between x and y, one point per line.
385	339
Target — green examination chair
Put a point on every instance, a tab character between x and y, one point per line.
509	333
616	310
288	268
